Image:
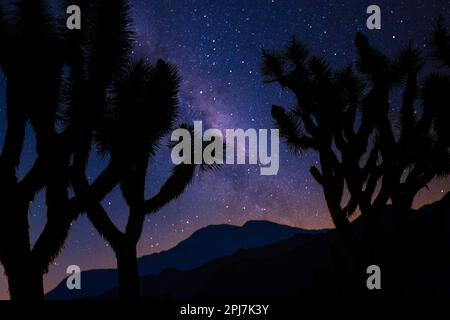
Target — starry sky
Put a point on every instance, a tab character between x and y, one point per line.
217	47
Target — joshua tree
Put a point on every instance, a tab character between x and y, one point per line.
143	108
348	120
55	76
33	82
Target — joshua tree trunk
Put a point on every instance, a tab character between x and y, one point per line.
343	225
25	283
24	279
129	288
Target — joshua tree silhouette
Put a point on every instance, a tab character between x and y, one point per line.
33	82
60	82
143	109
349	120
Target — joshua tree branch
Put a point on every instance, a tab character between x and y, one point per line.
351	206
407	110
136	218
15	134
310	127
96	213
56	230
34	180
175	185
316	174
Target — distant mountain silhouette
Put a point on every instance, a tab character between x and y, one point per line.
203	246
317	265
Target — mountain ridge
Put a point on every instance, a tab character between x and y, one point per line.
203	246
307	266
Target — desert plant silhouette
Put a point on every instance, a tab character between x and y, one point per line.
364	146
143	109
33	83
59	82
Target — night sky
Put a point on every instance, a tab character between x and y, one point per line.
217	47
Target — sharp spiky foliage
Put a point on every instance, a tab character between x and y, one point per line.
439	42
347	118
410	60
291	129
371	62
110	41
143	108
5	33
35	22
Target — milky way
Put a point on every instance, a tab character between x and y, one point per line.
217	47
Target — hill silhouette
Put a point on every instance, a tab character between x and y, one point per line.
203	246
309	266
